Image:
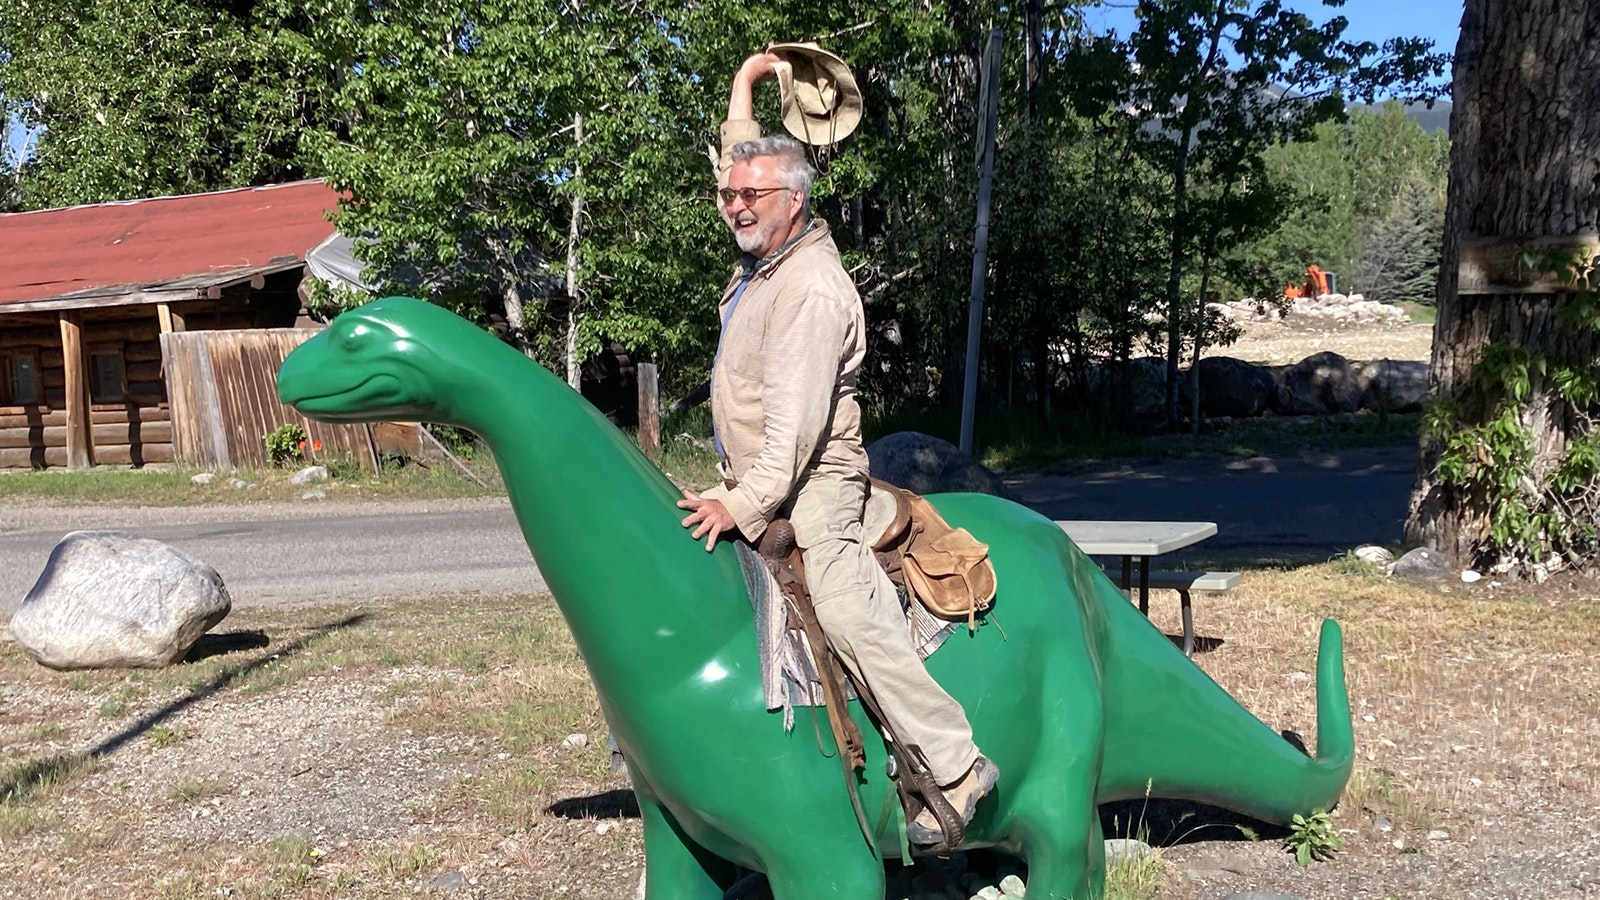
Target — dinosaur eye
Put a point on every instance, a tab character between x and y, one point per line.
354	338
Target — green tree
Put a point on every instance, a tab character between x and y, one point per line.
1212	85
1387	149
1318	224
164	97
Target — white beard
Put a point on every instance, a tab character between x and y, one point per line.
753	240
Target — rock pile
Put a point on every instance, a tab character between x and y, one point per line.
1326	309
1321	384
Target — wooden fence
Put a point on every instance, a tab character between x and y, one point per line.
223	390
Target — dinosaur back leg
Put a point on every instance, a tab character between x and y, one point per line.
823	869
1052	816
676	868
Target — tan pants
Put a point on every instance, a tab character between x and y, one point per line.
859	611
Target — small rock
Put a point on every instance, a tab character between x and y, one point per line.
989	892
314	494
1421	564
1438	834
1383	823
1258	895
1371	553
310	474
1012	886
204	478
575	741
1125	850
602	828
240	484
449	881
1469	576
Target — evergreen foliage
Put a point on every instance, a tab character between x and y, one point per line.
1399	255
1366	201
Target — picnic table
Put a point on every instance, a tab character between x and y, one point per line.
1132	540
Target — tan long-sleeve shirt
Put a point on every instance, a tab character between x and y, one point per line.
783	388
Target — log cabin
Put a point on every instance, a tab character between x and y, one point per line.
87	292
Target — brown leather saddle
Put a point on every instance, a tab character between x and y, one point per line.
890	514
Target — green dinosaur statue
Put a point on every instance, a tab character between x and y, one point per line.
1076	697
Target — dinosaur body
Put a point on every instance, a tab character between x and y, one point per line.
1080	702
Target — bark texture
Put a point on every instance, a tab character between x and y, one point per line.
1524	167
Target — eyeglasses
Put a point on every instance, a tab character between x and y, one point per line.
748	195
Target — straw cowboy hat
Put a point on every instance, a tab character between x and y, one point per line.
821	103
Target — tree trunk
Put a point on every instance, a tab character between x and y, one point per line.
574	233
1180	213
1524	171
505	266
1175	260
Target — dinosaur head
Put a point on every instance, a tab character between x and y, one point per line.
394	358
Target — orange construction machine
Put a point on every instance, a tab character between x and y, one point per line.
1316	284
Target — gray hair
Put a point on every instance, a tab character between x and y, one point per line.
794	168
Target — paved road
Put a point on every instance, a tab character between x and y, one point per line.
305	552
1304	508
1291	509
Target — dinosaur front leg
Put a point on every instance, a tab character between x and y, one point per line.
677	868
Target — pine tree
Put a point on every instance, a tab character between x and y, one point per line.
1398	259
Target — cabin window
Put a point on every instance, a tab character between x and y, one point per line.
19	380
107	382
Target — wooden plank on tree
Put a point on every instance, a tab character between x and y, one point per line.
79	451
1522	265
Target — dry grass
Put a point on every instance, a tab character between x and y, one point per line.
366	752
1474	716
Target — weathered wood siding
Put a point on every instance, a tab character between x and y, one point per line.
222	386
135	431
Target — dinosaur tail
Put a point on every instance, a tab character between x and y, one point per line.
1172	732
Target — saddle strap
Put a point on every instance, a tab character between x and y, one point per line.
914	780
923	790
778	546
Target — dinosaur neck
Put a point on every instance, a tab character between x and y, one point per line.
645	602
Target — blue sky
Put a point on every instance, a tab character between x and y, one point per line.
1370	20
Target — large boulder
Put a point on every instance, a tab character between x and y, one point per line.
1319	384
1233	387
108	599
928	465
1393	385
1135	390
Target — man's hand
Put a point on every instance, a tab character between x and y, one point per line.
711	517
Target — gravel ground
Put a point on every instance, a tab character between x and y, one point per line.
1289	341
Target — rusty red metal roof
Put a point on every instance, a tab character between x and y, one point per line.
108	250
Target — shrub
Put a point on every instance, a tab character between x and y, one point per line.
284	443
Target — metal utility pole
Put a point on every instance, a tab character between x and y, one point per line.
988	123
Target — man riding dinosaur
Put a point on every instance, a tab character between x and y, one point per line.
787	429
